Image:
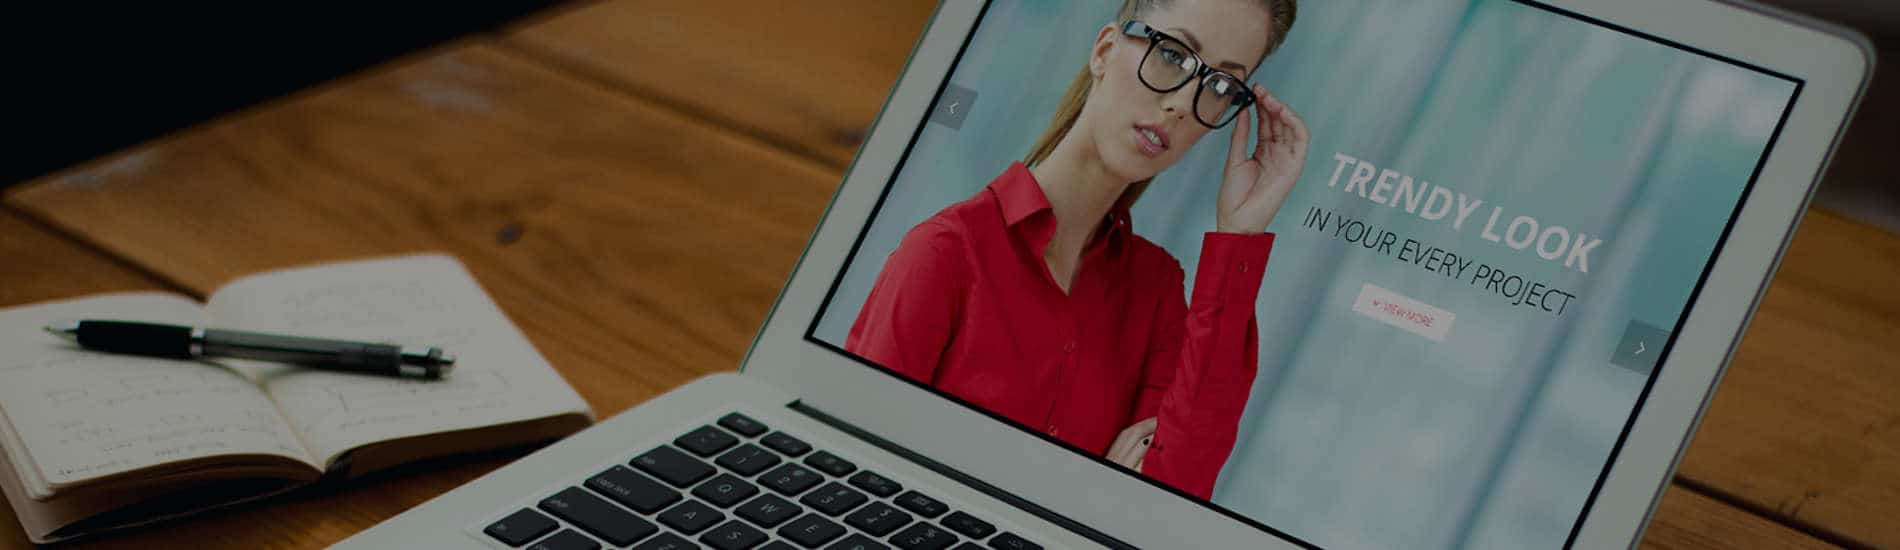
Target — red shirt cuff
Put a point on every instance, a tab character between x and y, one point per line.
1231	267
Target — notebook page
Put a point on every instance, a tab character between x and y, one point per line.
426	300
81	415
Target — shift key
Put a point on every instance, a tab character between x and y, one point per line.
596	516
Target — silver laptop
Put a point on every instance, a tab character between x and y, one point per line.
1238	274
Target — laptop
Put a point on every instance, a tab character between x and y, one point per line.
1238	274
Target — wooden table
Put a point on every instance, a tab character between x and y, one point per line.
593	171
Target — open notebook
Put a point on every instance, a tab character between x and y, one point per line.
95	442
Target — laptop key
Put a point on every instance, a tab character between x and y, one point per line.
1009	541
968	525
733	535
789	445
923	536
596	516
706	441
520	527
878	519
811	531
748	460
790	479
921	505
691	517
833	498
725	490
768	511
742	424
830	463
857	542
778	545
566	540
641	493
673	466
667	541
875	484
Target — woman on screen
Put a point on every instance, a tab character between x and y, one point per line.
1035	300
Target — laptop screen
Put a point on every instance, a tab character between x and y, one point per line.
1409	292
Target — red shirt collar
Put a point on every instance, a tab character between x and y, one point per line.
1026	210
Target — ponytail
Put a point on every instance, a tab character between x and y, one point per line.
1071	109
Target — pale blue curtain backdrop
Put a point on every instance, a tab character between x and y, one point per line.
1358	434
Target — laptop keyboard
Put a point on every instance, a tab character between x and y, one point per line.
738	485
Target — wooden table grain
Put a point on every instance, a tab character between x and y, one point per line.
637	231
807	78
1805	427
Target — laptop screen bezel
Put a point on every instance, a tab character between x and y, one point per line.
1831	66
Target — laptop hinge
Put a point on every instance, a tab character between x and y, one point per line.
958	476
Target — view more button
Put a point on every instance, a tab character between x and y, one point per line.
1400	311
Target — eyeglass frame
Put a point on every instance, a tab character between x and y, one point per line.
1202	71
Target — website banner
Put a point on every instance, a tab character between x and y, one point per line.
1496	219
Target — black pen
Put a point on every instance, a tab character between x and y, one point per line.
180	342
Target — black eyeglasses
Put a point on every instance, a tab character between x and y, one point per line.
1171	64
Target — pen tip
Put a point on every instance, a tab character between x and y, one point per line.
69	331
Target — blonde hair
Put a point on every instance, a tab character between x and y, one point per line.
1282	13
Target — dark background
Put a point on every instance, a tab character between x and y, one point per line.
79	80
82	79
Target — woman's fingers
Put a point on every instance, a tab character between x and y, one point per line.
1275	113
1284	128
1130	446
1123	455
1294	149
1289	130
1264	119
1237	144
1300	137
1119	451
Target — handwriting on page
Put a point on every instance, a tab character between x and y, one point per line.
81	415
363	404
84	415
362	304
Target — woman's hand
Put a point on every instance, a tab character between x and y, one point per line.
1254	186
1132	445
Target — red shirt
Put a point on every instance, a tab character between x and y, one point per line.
967	305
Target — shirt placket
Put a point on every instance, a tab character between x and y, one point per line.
1069	335
1065	363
